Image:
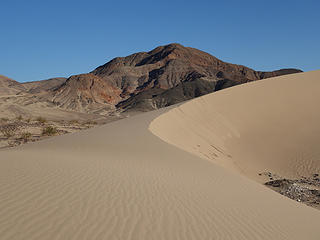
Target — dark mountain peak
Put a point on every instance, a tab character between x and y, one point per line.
163	76
174	45
167	48
142	58
178	52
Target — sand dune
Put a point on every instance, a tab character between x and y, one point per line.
262	126
121	181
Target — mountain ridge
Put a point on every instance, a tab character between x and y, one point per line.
145	81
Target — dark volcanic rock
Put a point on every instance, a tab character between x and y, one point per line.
86	93
173	73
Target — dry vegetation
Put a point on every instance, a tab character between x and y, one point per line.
20	130
49	131
25	136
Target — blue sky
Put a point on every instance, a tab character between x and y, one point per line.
43	39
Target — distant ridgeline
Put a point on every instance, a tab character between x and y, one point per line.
141	82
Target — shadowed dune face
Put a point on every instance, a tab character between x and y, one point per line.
262	126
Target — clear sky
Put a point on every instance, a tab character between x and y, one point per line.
44	39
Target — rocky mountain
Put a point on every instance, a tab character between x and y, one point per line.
86	93
150	80
140	82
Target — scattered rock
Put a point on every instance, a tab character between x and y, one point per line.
305	189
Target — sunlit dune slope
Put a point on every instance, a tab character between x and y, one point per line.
271	125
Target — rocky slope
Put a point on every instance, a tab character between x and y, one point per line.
86	93
33	99
9	86
43	85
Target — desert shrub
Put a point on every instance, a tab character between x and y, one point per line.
49	131
41	120
74	122
28	120
4	119
19	118
8	130
90	122
25	136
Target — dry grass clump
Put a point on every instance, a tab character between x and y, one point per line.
74	122
91	122
19	118
25	136
49	131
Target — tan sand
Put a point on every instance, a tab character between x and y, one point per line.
270	125
120	181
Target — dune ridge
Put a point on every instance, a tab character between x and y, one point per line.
262	126
121	181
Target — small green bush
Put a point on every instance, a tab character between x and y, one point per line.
49	131
25	136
